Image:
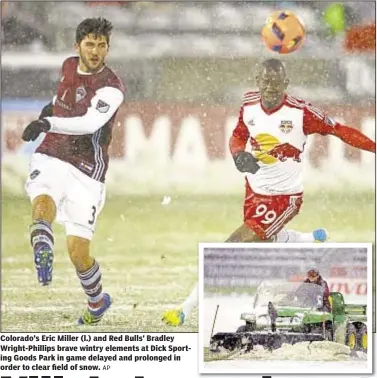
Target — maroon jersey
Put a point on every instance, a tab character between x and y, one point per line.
87	152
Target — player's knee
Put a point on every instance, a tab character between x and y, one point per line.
232	239
79	249
44	207
245	234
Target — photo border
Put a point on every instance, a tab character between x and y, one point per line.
345	370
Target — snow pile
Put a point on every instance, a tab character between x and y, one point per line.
305	351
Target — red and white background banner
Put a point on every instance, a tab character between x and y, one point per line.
161	146
345	270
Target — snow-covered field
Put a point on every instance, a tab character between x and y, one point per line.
300	358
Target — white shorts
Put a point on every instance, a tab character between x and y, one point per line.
79	199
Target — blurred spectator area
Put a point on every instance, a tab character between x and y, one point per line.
184	51
54	22
26	24
158	28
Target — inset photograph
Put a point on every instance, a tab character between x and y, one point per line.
301	307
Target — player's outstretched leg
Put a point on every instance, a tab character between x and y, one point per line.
89	274
176	317
42	237
319	235
98	302
244	234
42	241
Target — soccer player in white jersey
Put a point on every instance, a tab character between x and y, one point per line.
277	126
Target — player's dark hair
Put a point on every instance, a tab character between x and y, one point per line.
274	64
96	26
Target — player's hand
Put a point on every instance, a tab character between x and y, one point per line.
246	162
34	128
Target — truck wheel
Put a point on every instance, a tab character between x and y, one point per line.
351	337
362	338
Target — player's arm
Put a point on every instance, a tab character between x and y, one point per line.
31	133
103	105
240	136
48	110
326	290
315	122
244	161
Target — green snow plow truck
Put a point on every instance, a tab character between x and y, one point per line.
288	313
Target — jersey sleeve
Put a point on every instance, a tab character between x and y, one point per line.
317	122
47	111
103	106
239	136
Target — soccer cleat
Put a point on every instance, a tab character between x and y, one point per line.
92	317
320	235
174	317
43	259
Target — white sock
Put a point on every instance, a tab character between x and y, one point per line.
190	302
292	236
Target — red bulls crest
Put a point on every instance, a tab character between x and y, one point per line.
286	126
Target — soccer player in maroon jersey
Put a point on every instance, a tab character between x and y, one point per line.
68	169
277	126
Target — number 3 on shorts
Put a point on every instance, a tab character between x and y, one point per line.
94	210
261	211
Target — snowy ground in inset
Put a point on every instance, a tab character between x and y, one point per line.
324	358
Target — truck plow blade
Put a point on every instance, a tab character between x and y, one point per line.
270	340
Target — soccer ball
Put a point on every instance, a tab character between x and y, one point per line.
283	32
